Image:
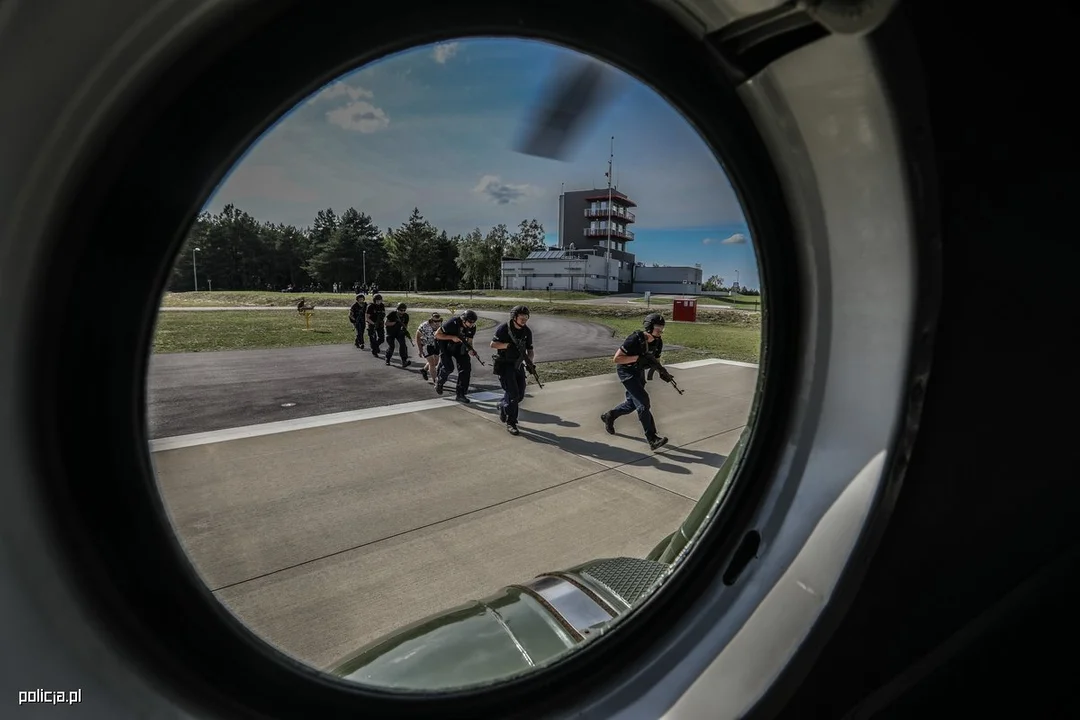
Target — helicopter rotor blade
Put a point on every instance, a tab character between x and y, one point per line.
570	102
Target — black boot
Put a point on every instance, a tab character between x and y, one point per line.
657	442
609	423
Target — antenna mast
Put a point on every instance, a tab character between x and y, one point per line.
559	229
610	215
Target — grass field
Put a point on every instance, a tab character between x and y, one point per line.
208	331
248	330
255	298
700	341
724	314
555	295
749	302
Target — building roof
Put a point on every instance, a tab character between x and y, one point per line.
545	254
617	198
602	194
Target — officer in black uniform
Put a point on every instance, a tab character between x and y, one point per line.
452	337
656	347
356	317
397	328
630	361
510	339
376	316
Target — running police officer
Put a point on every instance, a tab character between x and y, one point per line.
426	344
513	341
453	339
356	317
631	359
397	328
375	316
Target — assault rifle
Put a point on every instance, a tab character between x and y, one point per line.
471	349
652	362
530	366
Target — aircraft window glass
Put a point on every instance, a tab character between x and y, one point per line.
370	499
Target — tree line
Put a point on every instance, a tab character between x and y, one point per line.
237	252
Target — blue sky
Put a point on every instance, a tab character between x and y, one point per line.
436	127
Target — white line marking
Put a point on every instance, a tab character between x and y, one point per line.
711	361
282	426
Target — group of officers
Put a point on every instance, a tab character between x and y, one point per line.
447	344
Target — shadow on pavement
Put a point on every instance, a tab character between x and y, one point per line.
531	416
602	451
694	456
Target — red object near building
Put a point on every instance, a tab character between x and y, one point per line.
684	309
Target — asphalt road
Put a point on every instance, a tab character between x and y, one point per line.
200	392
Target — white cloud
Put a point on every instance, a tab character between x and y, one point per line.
266	182
494	189
361	116
736	239
342	89
357	114
444	51
710	241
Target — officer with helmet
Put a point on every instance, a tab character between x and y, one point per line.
452	337
511	340
631	360
356	317
397	328
375	316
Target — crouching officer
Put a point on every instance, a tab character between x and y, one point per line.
453	348
376	316
356	317
397	328
631	359
513	341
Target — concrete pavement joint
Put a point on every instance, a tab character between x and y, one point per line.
410	530
620	470
602	469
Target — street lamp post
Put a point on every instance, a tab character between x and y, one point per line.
194	269
365	268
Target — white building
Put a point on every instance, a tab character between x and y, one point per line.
583	270
593	253
668	280
557	269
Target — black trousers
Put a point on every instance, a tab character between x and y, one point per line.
376	334
512	380
398	337
637	400
449	354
